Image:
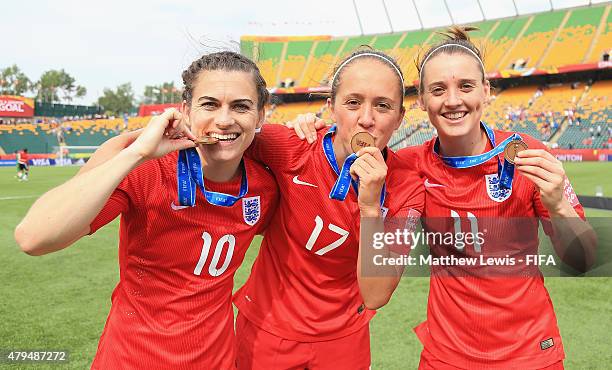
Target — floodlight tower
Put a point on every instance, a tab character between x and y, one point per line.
449	12
387	14
418	14
484	18
358	18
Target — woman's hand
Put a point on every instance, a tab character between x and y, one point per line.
548	175
306	126
371	170
164	134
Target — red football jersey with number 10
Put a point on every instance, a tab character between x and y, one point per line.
172	306
303	285
487	317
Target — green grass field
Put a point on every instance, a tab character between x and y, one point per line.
60	301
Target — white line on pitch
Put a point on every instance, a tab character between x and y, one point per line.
19	197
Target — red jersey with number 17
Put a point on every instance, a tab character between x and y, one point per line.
498	314
172	306
303	285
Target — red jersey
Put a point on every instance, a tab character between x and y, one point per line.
303	285
172	306
477	318
22	157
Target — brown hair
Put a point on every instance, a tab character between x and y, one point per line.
457	39
338	70
224	61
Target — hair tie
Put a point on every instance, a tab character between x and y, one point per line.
372	55
448	45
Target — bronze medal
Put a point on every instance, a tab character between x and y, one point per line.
206	140
512	149
361	140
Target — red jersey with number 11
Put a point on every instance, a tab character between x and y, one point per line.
497	316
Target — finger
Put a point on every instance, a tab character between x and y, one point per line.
176	122
308	127
540	173
537	153
181	144
357	171
164	120
532	153
289	124
375	152
185	130
363	162
171	114
544	163
176	135
538	182
298	131
377	167
319	124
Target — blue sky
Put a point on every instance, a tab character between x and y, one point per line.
106	43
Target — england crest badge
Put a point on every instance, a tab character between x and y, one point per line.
251	210
493	189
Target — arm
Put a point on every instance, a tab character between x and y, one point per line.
63	215
376	283
114	145
109	149
573	238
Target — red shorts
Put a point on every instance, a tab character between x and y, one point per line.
258	349
429	362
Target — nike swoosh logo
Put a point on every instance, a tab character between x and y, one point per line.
300	182
176	208
430	185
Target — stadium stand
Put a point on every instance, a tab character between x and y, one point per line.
535	39
320	62
567	115
502	38
603	38
285	112
296	58
577	36
539	40
43	137
591	126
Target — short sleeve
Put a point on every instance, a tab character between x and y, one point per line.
120	200
275	146
115	205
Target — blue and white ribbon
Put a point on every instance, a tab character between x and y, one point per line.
190	177
505	171
341	187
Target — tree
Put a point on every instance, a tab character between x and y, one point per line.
161	94
52	83
13	81
120	100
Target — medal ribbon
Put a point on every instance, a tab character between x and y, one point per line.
505	172
190	177
341	186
